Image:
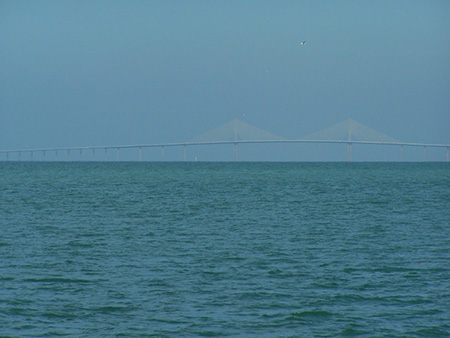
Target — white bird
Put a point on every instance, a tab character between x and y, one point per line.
303	43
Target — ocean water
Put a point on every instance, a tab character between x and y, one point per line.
224	249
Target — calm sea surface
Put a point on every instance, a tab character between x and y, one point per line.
225	249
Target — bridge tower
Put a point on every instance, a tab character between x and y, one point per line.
235	139
349	144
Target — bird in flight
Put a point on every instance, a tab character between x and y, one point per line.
303	43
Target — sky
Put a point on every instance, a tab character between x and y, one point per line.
92	73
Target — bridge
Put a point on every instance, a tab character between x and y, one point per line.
237	132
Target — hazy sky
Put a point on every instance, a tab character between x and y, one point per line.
80	73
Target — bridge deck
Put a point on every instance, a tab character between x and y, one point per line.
180	144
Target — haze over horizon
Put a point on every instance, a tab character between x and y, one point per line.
90	73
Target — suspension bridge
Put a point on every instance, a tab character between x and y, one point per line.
237	132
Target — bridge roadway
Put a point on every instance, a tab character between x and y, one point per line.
235	143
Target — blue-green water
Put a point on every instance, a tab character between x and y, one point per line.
225	249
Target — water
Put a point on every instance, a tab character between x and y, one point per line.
225	249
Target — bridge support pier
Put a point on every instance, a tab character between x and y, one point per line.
162	153
118	154
93	154
68	155
140	154
106	154
349	152
424	153
184	153
401	153
447	152
235	152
